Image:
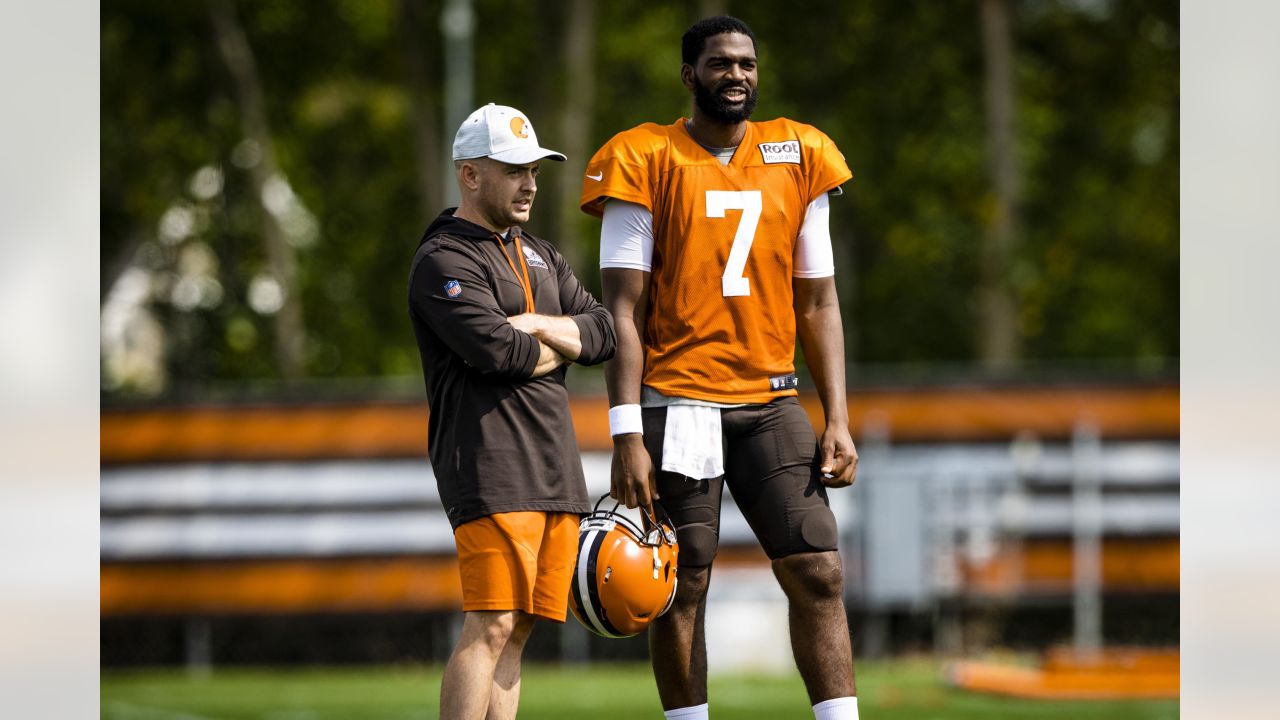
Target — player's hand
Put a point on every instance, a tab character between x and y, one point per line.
839	467
634	482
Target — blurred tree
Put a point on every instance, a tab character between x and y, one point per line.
999	345
272	189
579	62
422	73
1098	274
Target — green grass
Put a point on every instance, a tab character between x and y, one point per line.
894	690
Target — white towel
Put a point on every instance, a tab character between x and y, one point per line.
691	442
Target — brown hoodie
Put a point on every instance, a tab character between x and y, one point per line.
499	440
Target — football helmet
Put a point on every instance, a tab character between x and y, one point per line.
625	577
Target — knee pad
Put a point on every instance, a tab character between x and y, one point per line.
697	545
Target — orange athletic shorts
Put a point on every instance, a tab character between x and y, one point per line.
518	561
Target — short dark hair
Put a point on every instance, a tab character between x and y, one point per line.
695	38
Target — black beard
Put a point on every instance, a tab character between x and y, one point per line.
717	109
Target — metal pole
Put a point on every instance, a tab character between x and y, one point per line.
873	453
1086	506
457	26
850	508
198	646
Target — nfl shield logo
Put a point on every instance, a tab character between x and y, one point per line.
453	288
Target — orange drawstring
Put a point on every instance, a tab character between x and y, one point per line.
525	283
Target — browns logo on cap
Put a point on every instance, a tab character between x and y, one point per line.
501	133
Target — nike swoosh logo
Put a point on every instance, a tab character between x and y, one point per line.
597	176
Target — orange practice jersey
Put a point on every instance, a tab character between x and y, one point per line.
720	321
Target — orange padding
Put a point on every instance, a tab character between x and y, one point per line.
400	430
1115	674
282	586
1047	566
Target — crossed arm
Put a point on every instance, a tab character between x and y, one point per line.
584	334
559	339
474	326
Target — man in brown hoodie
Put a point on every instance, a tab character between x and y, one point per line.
498	316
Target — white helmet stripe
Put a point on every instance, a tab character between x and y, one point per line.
589	545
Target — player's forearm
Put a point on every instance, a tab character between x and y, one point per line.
822	339
624	372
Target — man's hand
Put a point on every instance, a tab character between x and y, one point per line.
527	322
558	331
839	466
634	482
548	360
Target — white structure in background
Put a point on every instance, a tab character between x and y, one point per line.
916	514
747	623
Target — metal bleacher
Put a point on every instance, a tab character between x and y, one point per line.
257	511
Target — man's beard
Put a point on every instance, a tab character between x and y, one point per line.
711	103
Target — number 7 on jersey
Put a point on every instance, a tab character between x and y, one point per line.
734	283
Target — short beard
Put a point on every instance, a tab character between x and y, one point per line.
717	109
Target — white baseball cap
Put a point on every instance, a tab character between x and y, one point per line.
502	133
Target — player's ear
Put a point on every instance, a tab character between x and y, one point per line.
687	76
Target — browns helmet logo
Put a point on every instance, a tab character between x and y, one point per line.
625	578
519	127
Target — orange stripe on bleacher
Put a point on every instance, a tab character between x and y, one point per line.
400	430
1046	566
362	585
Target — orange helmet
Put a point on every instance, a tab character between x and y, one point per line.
625	578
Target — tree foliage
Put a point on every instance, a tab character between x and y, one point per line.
897	85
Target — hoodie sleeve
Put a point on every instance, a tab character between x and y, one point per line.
450	292
595	324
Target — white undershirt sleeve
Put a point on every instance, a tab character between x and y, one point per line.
626	236
813	246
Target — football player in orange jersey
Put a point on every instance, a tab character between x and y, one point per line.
715	251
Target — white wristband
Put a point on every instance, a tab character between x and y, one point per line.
625	419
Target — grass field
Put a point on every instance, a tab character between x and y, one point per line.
895	690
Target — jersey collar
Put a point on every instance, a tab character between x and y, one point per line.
697	150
